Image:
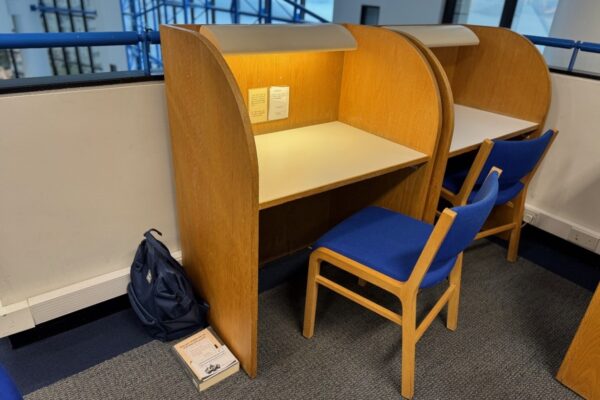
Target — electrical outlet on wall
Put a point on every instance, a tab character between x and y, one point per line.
583	239
529	216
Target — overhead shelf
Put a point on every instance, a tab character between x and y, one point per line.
439	35
248	39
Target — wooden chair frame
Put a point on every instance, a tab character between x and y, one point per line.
511	221
405	291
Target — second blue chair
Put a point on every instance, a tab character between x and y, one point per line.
518	160
400	255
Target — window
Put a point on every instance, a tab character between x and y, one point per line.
531	17
534	17
537	18
323	8
478	12
369	15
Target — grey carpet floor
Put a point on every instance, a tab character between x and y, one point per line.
516	322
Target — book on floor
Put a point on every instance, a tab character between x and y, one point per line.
206	359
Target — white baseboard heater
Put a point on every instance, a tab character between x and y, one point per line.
35	310
563	229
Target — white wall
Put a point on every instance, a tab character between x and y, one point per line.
575	159
391	11
566	190
84	173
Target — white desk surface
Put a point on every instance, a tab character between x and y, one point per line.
300	162
472	126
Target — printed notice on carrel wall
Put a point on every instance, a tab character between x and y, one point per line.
257	105
279	102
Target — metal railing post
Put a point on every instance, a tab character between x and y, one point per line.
573	57
146	51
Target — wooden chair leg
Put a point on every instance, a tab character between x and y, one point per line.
515	234
513	243
310	308
453	302
409	343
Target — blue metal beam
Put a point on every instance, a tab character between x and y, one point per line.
305	10
235	11
268	11
63	10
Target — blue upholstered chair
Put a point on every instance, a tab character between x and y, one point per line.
518	160
8	390
400	255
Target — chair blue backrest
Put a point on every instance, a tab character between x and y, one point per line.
8	390
467	223
516	158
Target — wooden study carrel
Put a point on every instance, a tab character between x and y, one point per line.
493	82
362	128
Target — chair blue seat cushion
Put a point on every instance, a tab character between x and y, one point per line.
453	181
385	241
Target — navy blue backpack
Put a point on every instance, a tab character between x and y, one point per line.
161	294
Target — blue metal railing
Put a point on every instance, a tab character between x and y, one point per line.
552	42
82	39
143	14
145	39
576	46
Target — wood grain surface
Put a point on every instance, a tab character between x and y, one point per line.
389	89
505	74
580	369
440	157
314	79
216	179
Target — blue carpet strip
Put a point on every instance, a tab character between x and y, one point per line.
564	258
52	358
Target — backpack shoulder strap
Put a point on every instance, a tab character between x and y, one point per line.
157	244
